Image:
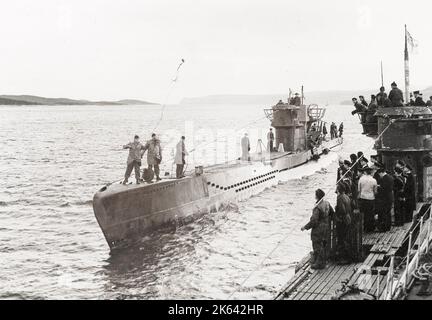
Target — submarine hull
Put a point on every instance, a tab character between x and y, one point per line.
126	213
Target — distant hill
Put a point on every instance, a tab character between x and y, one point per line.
319	97
334	97
35	100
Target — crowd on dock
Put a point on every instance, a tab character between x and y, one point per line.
367	188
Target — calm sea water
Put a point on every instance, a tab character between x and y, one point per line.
53	160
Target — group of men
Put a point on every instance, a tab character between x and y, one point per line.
393	99
334	131
154	159
371	190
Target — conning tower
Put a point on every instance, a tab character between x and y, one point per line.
407	135
293	124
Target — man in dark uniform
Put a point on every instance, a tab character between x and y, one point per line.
343	219
324	131
418	102
381	97
385	194
373	105
333	130
363	163
363	101
270	139
341	128
361	109
297	100
411	101
398	190
319	223
396	96
409	193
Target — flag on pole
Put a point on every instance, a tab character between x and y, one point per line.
413	43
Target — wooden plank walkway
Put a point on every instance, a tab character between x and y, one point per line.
369	275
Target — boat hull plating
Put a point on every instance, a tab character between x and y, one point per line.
126	213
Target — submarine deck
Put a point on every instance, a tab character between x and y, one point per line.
328	283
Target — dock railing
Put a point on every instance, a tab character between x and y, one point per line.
398	286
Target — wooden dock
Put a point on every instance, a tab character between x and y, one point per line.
369	276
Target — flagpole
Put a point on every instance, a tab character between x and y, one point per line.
407	82
382	75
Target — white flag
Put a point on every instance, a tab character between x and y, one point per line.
413	43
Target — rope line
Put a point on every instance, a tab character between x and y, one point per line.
171	87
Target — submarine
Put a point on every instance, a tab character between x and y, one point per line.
126	213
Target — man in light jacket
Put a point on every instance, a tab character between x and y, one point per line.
154	155
180	157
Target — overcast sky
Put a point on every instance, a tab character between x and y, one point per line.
106	49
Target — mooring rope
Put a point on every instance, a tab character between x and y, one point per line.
170	89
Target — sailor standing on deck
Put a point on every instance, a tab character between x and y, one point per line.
398	189
363	101
319	223
134	159
381	97
297	100
270	139
245	145
396	96
180	157
154	155
418	102
409	193
333	130
341	128
324	131
385	193
367	189
343	221
361	109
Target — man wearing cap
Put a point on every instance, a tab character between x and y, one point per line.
373	105
367	189
343	220
381	97
385	194
363	101
361	109
297	100
418	102
319	223
134	159
396	96
333	131
399	200
409	193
